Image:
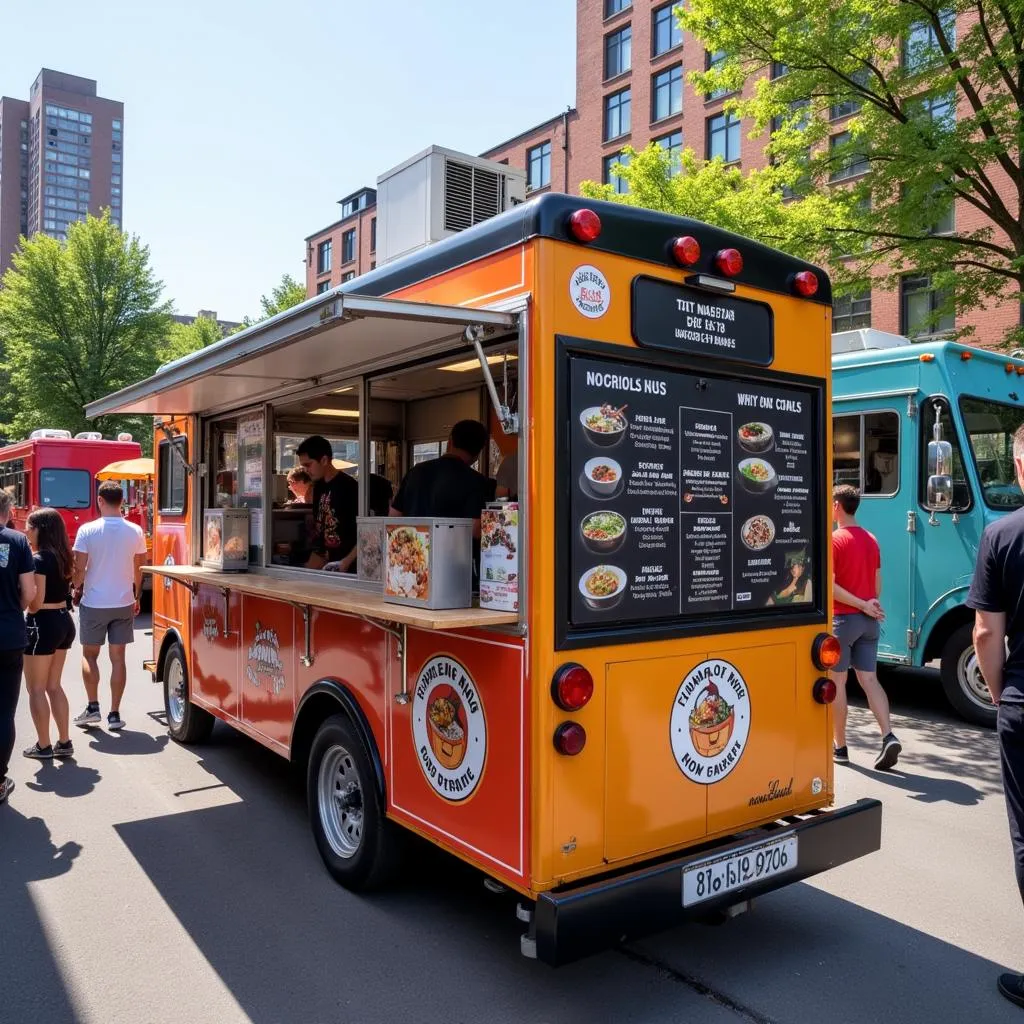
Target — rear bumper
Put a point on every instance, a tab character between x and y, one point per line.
574	922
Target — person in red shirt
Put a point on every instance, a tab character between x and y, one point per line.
857	612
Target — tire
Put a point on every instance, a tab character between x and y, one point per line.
962	680
186	722
358	845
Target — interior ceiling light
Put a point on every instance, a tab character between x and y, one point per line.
350	413
474	364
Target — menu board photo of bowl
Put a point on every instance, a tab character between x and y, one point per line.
756	475
407	561
603	587
602	477
605	425
756	438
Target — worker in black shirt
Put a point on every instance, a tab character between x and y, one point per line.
449	487
335	506
997	596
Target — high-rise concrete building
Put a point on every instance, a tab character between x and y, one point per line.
61	157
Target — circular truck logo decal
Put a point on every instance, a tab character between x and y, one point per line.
710	721
449	728
590	291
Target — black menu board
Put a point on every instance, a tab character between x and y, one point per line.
691	495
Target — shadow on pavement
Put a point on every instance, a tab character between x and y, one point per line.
31	986
64	778
127	741
925	788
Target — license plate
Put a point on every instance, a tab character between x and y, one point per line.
707	879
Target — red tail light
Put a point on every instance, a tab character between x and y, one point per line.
805	283
729	261
570	738
685	250
826	652
572	687
585	225
824	691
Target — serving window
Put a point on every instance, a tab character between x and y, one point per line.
866	452
687	500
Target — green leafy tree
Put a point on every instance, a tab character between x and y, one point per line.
183	339
287	293
752	204
933	99
78	320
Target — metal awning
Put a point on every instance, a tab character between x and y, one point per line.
325	339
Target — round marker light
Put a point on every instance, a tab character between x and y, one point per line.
570	738
826	652
729	261
572	687
824	691
685	250
805	283
585	225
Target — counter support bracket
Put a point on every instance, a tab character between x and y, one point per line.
398	631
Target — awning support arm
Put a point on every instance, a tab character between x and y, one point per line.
508	419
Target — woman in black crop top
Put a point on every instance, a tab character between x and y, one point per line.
51	631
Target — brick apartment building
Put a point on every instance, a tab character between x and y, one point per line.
632	63
346	248
61	157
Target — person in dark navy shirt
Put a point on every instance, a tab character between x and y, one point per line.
997	596
17	589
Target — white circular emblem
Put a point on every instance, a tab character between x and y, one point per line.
449	728
710	721
590	291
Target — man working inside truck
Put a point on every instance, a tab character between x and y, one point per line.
335	506
448	487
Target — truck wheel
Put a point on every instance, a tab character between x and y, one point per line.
359	846
962	680
185	722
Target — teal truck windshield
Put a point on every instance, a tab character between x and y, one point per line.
990	427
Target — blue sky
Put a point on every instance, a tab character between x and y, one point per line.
246	121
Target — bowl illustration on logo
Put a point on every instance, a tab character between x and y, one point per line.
604	425
757	476
603	587
755	437
711	722
603	476
447	727
603	532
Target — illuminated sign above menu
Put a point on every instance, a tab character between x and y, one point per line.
702	323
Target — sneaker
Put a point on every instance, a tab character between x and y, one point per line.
5	789
840	755
39	753
88	717
890	753
1012	987
64	749
114	721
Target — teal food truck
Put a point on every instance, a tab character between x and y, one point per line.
925	431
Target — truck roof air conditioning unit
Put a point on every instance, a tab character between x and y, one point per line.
50	434
864	339
89	435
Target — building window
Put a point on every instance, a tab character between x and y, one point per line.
373	234
940	110
347	276
850	104
724	137
921	46
851	312
323	257
616	6
673	146
714	59
667	93
348	246
778	69
666	32
618	47
322	287
538	166
609	175
849	164
354	204
616	114
919	306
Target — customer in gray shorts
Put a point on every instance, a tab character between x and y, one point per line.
856	587
109	555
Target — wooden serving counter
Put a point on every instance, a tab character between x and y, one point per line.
314	594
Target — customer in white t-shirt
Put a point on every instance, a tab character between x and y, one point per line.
109	555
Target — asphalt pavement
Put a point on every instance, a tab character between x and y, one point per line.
145	882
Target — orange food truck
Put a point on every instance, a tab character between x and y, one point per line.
631	724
